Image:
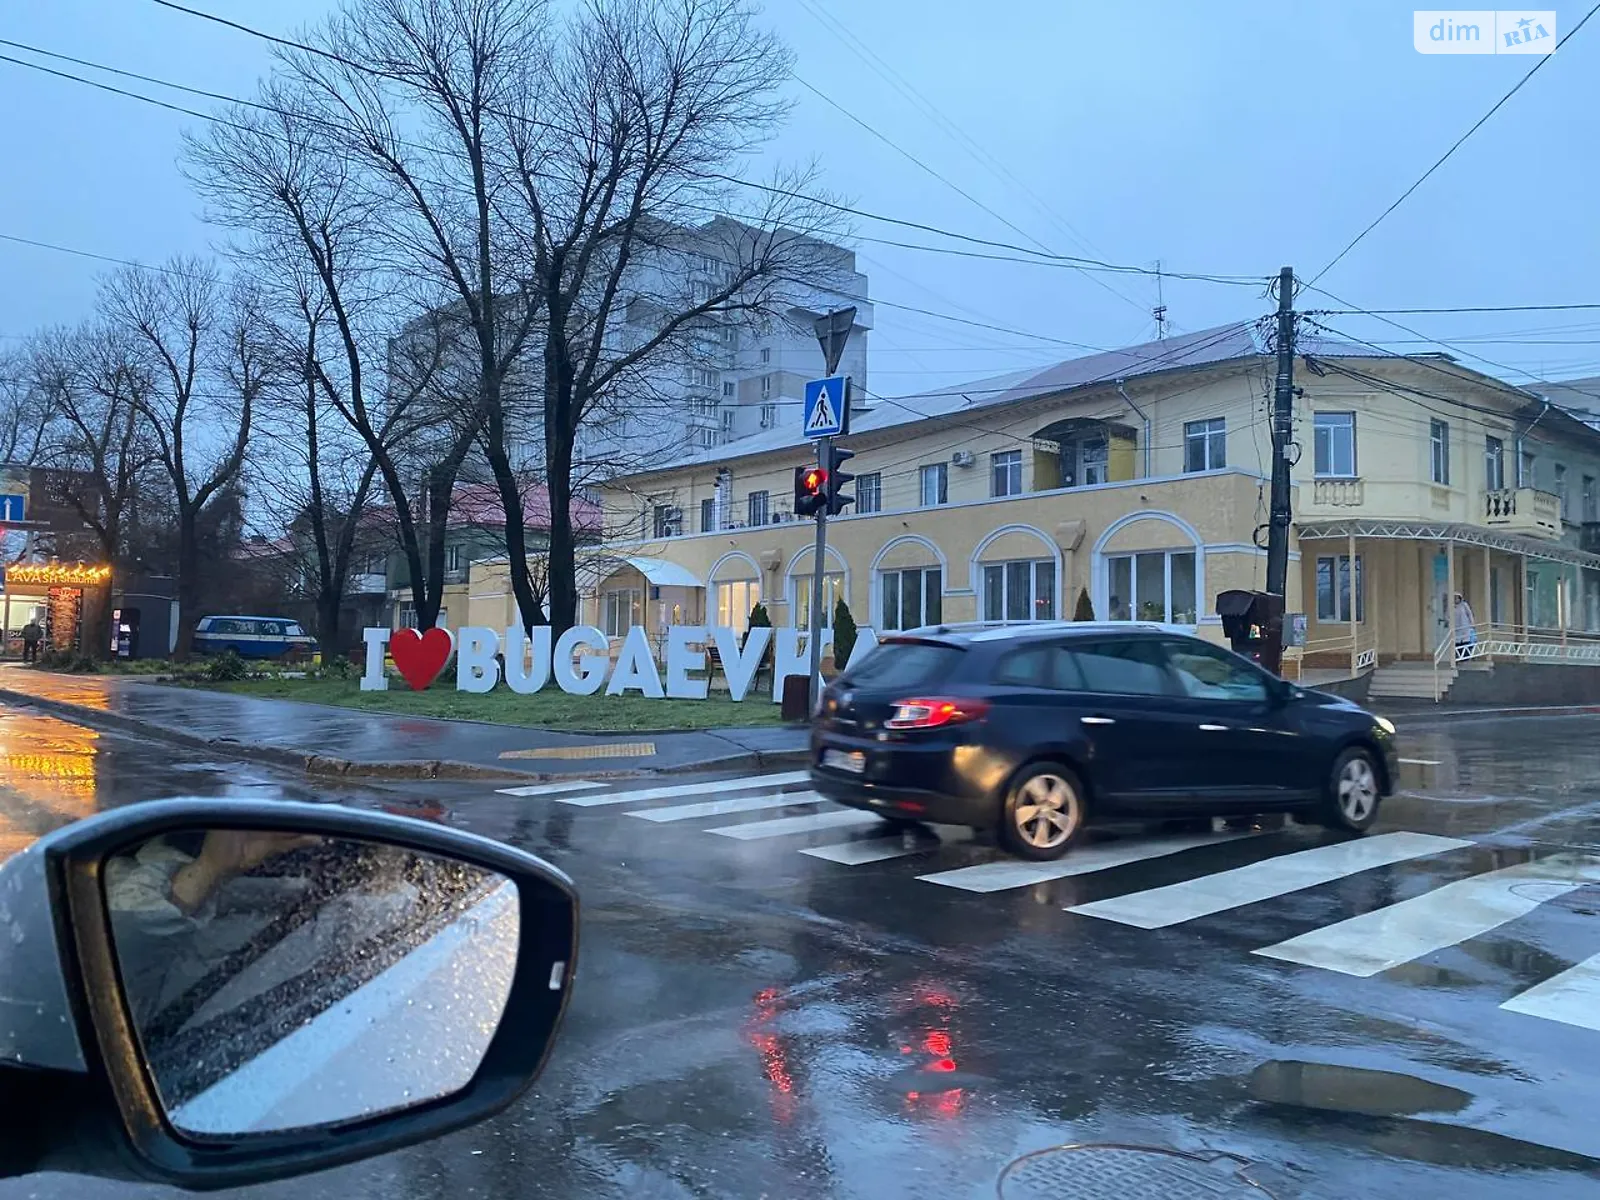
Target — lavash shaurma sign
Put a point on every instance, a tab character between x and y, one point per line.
580	662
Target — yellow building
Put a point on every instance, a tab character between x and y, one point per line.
1139	478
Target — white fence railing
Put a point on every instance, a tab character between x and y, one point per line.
1487	642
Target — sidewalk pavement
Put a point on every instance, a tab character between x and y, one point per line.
323	739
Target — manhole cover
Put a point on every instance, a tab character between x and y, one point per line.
1105	1172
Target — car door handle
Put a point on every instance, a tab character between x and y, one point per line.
1098	720
1214	728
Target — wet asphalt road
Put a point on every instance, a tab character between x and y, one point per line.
751	1021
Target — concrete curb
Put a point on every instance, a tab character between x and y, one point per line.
342	768
1415	717
311	764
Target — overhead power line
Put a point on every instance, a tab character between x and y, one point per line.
771	189
1476	125
1481	308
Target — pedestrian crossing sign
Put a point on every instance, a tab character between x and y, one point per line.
826	408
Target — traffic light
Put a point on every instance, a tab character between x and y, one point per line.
835	479
810	491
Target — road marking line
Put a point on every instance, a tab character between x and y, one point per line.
598	750
1000	876
836	819
1156	908
1398	933
1572	997
718	808
1422	762
551	789
745	783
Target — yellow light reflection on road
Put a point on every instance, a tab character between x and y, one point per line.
48	773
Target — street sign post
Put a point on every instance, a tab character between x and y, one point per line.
825	415
13	509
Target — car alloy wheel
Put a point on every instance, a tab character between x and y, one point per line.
1358	790
1047	813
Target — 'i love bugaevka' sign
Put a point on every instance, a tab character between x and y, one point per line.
580	660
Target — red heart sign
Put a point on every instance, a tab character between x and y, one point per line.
421	656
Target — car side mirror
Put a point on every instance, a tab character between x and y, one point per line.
218	993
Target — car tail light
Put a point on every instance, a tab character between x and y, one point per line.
931	712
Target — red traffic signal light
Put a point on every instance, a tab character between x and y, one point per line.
810	490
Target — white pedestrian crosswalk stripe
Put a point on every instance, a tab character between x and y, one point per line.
839	818
1159	907
1572	997
551	789
721	808
1083	860
1362	945
745	783
1386	937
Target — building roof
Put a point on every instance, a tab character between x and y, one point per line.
1579	396
479	504
1223	343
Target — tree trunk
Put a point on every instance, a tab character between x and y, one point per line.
563	581
516	535
328	626
188	580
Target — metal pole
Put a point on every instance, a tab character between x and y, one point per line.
814	640
1282	434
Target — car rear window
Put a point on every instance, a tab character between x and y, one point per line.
905	665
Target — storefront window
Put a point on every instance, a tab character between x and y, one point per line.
1159	585
1019	591
735	599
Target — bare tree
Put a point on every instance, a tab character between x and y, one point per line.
26	412
322	229
97	384
444	68
619	147
201	344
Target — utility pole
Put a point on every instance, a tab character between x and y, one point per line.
832	330
1282	436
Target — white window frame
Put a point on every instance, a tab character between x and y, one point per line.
1005	473
452	557
1210	437
1439	451
800	598
1133	601
766	386
892	620
734	599
708	515
620	610
933	471
1004	569
729	389
758	507
869	492
1494	463
1324	425
1335	612
1559	486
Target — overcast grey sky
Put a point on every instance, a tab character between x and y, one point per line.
1226	138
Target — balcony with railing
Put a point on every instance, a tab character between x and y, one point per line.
1523	510
1338	493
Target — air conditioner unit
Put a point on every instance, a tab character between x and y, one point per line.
963	458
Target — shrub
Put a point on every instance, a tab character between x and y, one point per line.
225	667
844	634
73	662
1085	610
759	618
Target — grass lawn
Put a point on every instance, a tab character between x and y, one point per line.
549	708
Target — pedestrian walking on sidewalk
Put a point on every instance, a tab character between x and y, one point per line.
32	635
1466	633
